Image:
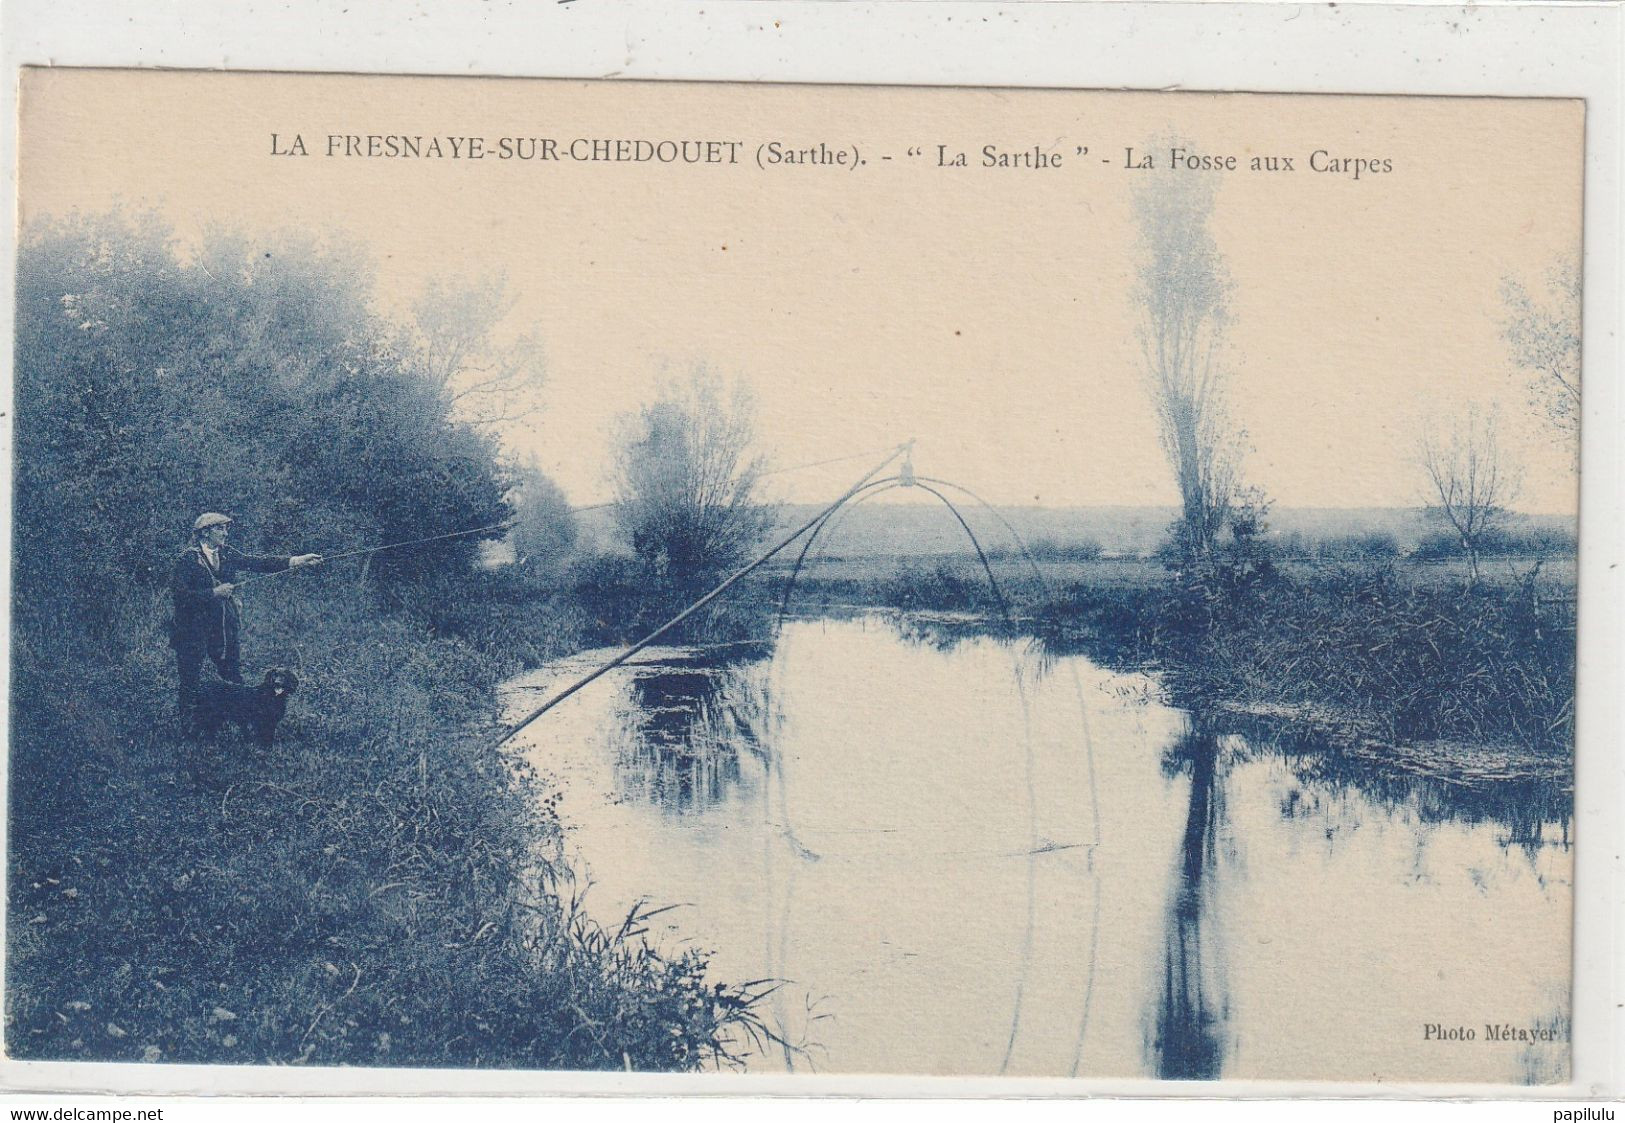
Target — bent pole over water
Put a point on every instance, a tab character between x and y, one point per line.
705	600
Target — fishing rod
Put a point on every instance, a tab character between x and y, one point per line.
822	463
504	525
734	578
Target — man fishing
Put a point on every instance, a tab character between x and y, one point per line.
208	617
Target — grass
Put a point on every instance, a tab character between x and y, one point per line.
1374	648
382	887
857	574
1403	650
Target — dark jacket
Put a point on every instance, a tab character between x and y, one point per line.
203	620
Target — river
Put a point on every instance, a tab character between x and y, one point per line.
965	857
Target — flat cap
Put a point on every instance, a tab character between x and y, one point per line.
210	518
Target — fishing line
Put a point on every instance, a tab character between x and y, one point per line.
508	524
1049	592
1032	791
822	463
1088	740
776	789
504	525
868	492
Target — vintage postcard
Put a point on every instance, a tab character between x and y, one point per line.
680	577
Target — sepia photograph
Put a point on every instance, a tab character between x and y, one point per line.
792	580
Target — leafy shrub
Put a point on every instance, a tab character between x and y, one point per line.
688	488
149	389
544	534
1054	550
939	586
1372	545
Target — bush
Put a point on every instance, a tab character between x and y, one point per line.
688	489
1541	543
149	390
1438	547
1371	545
939	586
1416	661
1054	550
1501	543
382	888
545	532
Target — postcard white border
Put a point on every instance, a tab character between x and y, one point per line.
1493	49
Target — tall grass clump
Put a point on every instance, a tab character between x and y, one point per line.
1419	661
1369	644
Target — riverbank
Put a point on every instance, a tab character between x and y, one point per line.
381	887
1401	652
1492	664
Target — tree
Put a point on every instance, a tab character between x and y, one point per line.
488	383
1545	342
152	385
544	531
688	487
1183	292
1472	482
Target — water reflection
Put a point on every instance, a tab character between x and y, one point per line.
912	840
1191	1034
945	631
1528	796
683	732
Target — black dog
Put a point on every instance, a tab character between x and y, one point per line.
257	709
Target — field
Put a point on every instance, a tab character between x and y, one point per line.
865	578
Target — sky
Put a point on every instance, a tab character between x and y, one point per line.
988	312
